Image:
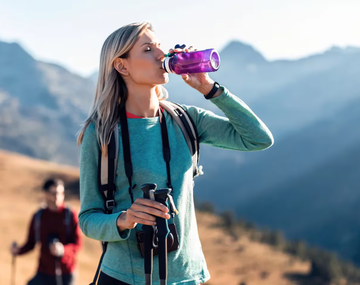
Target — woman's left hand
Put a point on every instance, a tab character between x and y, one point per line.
199	81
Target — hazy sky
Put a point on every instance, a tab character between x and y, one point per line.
71	33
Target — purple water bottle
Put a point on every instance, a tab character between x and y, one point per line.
192	62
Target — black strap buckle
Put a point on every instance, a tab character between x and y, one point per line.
110	204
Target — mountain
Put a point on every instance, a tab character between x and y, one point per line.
41	106
312	96
320	205
312	193
301	151
311	105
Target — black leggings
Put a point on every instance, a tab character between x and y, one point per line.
107	280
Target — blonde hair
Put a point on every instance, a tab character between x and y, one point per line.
111	89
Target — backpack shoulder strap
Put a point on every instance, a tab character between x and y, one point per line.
37	223
68	220
188	128
107	171
106	181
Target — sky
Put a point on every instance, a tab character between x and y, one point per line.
71	32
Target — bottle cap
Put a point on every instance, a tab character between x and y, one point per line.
215	59
166	65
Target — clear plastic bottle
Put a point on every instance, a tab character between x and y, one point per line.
192	62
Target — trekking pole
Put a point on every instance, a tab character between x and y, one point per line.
58	272
149	232
161	196
148	253
13	265
160	231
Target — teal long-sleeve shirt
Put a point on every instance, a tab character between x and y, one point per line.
240	130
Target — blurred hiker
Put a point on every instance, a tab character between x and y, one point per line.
55	226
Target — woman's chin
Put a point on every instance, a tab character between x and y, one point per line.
165	78
162	79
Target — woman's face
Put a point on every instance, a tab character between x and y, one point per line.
144	61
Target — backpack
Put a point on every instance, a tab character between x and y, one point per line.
67	221
107	164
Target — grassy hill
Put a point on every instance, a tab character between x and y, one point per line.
230	261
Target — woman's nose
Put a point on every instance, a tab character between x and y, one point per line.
161	55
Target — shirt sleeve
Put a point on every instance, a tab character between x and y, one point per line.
93	221
74	244
240	129
30	243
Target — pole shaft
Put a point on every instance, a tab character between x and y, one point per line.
13	268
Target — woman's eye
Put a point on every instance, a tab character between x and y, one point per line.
148	49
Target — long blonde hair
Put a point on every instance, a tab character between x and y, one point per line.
111	89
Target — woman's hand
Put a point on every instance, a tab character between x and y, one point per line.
142	211
199	81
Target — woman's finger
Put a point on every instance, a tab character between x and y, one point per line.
185	77
143	216
133	218
151	211
150	203
144	222
178	50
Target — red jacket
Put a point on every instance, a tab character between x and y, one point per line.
52	224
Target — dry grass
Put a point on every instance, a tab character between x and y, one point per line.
230	262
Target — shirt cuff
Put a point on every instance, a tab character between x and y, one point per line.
122	234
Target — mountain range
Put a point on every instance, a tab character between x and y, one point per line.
41	106
306	184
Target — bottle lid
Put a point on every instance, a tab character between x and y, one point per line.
166	65
215	59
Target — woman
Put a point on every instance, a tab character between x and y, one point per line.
131	76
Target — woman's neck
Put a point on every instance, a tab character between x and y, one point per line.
142	102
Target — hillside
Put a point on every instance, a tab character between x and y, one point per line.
41	106
318	197
230	262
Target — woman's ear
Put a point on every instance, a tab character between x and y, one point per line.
120	66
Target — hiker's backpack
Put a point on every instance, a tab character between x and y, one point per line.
67	221
107	163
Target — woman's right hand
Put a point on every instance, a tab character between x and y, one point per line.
142	211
